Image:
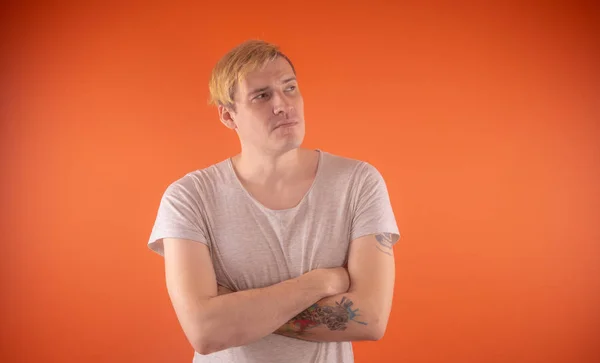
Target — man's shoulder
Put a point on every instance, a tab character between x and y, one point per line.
342	161
202	179
341	164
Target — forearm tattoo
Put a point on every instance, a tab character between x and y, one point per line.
384	243
333	317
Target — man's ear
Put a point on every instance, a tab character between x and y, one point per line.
226	115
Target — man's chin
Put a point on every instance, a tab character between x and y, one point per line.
289	145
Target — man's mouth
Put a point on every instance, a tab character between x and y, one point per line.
285	124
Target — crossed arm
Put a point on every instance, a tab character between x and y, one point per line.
214	318
362	312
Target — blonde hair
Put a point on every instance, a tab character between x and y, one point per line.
236	64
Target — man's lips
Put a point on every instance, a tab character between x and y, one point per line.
287	123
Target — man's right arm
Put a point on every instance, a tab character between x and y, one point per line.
212	323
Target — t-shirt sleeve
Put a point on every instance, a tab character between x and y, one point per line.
179	216
373	213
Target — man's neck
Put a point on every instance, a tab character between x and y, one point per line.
271	170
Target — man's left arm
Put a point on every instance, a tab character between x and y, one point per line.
360	314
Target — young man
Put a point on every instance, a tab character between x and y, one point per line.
279	253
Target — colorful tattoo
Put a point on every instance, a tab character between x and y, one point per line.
385	243
334	317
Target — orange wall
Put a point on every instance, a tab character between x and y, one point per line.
484	120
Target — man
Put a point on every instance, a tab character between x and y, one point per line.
279	253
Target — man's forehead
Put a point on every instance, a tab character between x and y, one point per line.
275	70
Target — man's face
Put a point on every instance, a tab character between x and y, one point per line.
269	110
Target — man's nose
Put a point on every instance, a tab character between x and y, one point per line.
281	104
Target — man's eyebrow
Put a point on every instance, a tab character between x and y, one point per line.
258	90
289	80
262	89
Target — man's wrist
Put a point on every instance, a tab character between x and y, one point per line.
317	281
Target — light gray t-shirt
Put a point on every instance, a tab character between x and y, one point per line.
252	246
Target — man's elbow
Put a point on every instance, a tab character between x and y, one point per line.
377	333
202	348
205	346
199	342
197	329
377	329
211	341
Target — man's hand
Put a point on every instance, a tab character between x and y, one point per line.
337	279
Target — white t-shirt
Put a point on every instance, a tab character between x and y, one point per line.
253	246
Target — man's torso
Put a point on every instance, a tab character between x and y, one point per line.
253	246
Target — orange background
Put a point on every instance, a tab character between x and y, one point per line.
484	120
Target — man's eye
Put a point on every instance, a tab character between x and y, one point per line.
291	88
262	95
